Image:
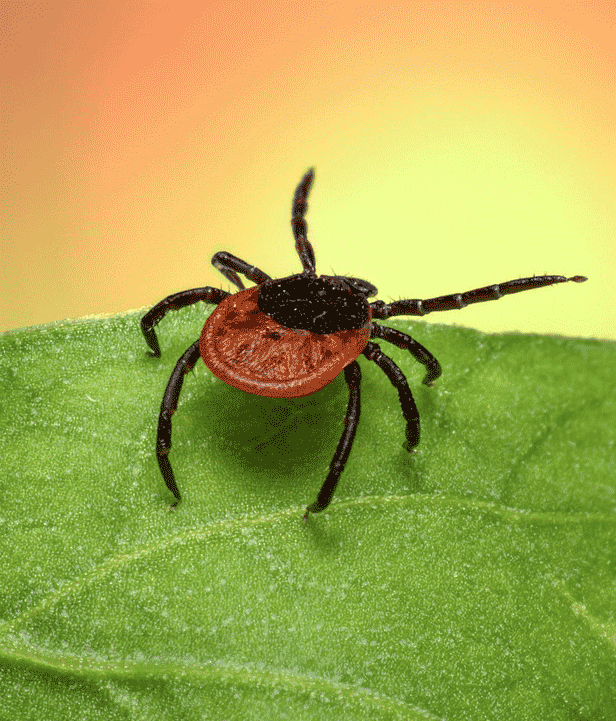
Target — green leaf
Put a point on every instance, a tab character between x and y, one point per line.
474	579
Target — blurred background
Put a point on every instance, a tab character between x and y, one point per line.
455	145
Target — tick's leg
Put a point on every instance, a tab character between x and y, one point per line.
174	302
381	310
230	265
352	375
298	223
407	402
402	340
167	409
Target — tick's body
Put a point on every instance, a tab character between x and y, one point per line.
250	350
292	336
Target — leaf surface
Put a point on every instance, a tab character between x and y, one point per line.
473	579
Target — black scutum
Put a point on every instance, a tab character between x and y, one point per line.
321	305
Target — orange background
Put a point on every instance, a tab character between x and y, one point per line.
455	145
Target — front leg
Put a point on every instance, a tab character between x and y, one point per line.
175	302
411	306
298	223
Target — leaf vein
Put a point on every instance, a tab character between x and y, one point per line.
246	675
228	527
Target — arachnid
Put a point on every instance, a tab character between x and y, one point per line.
289	337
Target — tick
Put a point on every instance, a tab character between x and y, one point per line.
290	337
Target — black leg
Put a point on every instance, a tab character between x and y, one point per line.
230	265
167	409
402	340
175	302
352	375
407	402
381	310
299	225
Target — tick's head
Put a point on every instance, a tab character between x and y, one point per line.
362	287
324	304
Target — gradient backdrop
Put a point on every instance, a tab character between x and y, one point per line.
455	144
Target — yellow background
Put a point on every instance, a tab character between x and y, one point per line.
455	145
